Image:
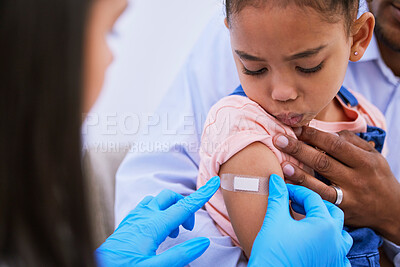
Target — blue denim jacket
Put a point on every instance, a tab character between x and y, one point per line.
366	242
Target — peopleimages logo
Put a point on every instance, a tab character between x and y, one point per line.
142	124
153	132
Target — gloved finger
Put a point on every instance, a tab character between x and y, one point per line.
186	207
278	199
141	204
189	223
347	262
164	200
311	202
167	198
348	240
298	208
145	200
336	213
180	255
174	233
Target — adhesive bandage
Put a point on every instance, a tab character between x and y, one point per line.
244	183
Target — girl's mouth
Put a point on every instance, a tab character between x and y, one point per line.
290	119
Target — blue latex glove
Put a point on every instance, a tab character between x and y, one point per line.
317	240
137	238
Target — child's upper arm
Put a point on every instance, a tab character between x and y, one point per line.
237	139
246	210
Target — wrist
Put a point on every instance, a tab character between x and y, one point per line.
390	225
392	231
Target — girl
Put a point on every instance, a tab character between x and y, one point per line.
291	57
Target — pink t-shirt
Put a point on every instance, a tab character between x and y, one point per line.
235	122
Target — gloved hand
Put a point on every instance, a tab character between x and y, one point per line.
317	240
137	238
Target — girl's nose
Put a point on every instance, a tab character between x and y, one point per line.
284	93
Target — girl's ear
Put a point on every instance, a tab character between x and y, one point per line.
361	31
226	23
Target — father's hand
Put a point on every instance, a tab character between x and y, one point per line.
371	192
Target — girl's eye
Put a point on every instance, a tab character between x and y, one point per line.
312	70
254	73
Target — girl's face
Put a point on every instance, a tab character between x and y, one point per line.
290	61
98	56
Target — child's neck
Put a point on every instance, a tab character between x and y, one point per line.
333	112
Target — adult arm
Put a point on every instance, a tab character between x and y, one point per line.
371	192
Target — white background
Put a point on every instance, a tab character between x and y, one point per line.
150	42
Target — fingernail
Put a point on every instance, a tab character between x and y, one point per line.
297	131
288	170
282	141
336	134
